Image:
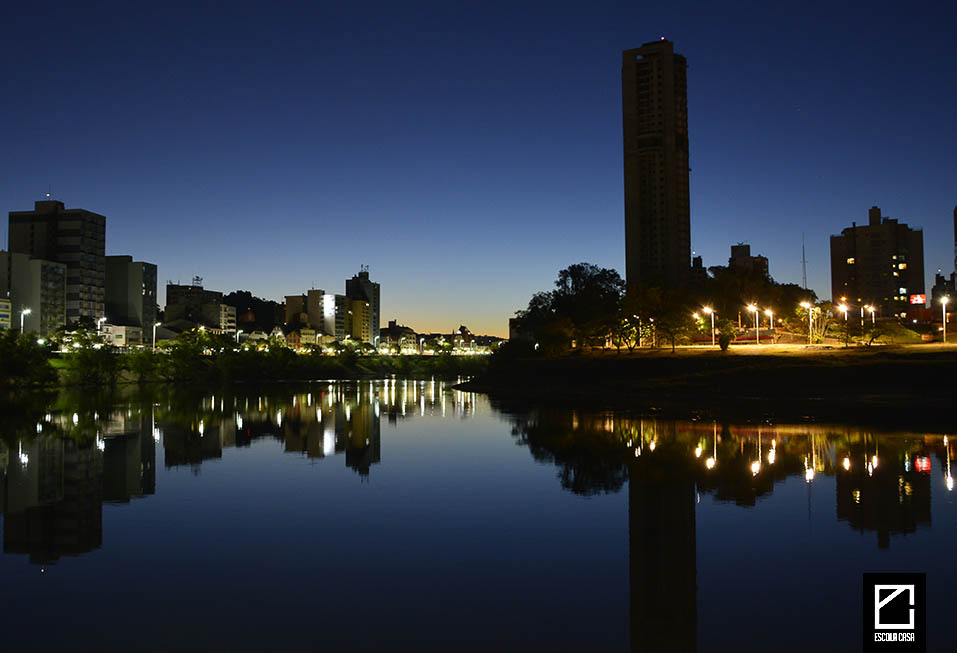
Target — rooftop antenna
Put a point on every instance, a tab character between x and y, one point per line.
803	263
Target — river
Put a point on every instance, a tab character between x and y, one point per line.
405	515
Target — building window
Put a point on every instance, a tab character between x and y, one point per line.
902	266
850	260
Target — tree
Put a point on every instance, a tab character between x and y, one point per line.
584	306
91	361
673	317
24	361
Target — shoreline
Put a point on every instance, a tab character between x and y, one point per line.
894	386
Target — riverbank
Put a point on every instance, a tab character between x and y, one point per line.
912	385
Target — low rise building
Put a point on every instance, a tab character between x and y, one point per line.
397	337
121	335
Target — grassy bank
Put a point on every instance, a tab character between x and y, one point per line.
901	384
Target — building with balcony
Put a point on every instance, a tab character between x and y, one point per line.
73	237
35	284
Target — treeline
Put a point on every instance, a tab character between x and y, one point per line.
197	357
590	306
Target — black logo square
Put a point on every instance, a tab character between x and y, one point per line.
895	612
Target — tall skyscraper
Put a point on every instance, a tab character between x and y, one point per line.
74	237
881	264
361	288
654	92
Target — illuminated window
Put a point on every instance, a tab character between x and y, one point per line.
850	261
902	266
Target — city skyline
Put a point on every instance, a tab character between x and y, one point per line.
272	153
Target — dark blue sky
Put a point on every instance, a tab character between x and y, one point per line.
467	151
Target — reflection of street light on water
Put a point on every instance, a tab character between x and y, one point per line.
948	479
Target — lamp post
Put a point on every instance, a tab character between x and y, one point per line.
871	310
943	314
770	315
238	331
757	328
99	323
155	324
25	311
843	309
421	345
710	311
809	308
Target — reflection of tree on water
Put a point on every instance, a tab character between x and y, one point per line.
882	486
588	464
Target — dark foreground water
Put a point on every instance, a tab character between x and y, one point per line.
409	516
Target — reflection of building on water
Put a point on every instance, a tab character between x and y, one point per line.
52	499
890	499
329	419
129	458
204	438
882	486
663	571
53	486
348	424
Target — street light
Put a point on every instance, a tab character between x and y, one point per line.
155	324
708	310
238	331
943	314
757	329
99	323
809	308
871	310
843	309
770	315
25	311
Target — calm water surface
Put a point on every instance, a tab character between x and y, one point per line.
395	515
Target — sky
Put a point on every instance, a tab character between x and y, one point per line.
467	151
